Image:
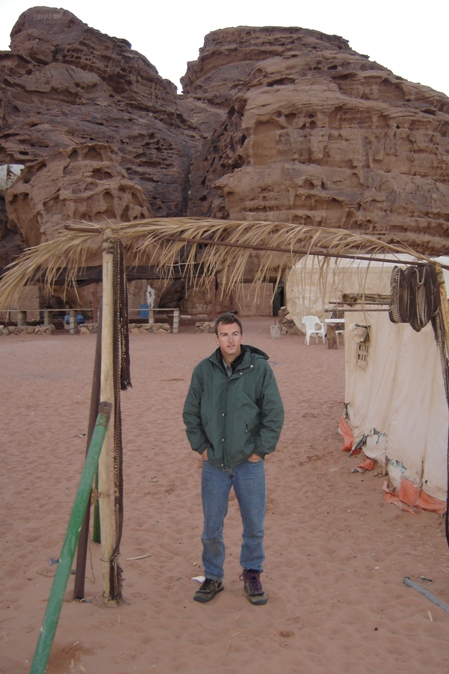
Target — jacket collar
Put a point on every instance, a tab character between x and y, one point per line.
243	360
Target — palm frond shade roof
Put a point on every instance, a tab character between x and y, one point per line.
223	245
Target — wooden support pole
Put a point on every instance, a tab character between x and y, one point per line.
394	259
175	321
81	558
214	297
95	312
105	490
332	342
72	324
444	360
444	308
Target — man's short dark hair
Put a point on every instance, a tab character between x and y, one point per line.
228	319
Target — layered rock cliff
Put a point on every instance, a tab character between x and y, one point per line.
280	124
64	83
318	134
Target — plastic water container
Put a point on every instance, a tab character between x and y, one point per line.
144	311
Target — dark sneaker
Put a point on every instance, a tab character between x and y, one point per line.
253	587
208	590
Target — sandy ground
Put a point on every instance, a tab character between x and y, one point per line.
337	554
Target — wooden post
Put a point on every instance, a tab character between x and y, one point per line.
21	319
81	557
46	317
331	337
175	321
95	316
72	329
214	297
105	492
444	308
444	360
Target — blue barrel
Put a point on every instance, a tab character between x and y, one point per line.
144	311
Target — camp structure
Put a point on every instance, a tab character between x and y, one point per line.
224	246
396	409
380	356
315	284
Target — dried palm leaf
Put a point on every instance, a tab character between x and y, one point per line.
223	245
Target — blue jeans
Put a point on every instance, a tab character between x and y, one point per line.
248	481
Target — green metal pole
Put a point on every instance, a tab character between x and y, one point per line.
50	622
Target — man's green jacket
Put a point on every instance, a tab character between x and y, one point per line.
233	417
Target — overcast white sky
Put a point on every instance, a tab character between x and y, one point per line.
408	38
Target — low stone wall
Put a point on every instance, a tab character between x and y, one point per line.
27	330
149	327
205	326
86	328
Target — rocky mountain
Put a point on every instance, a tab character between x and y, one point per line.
280	124
65	86
318	134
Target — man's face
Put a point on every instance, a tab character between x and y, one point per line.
229	339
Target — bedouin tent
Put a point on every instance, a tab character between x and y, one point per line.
315	284
395	404
395	409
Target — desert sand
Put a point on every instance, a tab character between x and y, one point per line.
336	552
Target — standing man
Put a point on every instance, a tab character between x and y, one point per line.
233	415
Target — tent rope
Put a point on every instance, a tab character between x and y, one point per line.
416	299
122	380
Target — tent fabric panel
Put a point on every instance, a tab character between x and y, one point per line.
400	393
412	434
435	464
369	390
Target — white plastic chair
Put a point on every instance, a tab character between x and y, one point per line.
313	327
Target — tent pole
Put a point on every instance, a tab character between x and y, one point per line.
214	296
105	493
80	573
422	259
444	306
445	325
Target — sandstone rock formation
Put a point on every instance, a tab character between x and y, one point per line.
64	83
82	182
279	124
318	134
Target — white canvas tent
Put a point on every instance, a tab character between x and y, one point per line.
398	391
395	400
313	284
